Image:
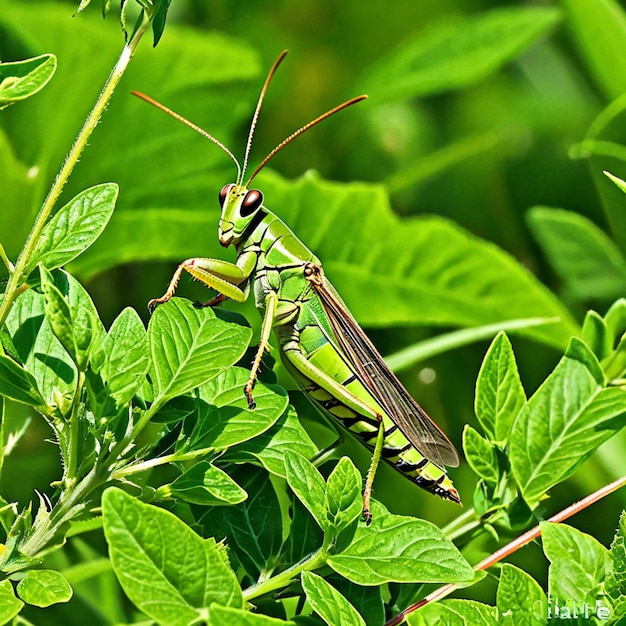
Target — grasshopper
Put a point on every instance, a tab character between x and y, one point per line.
320	342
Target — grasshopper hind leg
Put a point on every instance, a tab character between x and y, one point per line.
371	473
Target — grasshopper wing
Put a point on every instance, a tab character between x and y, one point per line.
381	382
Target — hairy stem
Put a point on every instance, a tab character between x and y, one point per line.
19	271
70	503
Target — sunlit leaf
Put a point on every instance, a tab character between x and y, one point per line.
566	419
22	79
328	602
400	549
75	226
168	571
44	588
190	347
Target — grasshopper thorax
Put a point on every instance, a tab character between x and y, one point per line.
240	206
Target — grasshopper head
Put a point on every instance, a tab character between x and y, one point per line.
239	206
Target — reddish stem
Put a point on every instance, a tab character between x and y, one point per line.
512	547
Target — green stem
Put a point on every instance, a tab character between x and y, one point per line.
314	561
75	417
5	259
68	505
19	273
464	523
135	468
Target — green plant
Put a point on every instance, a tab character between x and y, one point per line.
216	513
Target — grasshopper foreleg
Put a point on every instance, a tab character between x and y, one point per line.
271	302
220	275
218	299
171	288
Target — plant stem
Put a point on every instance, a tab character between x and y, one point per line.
513	546
68	505
461	525
75	417
5	259
311	562
135	468
74	496
21	269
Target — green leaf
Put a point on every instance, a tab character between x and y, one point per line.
269	448
18	384
566	419
58	314
455	613
190	347
400	549
307	483
588	262
343	499
75	226
599	31
480	455
22	79
577	563
221	615
44	587
520	599
328	603
223	417
305	534
71	314
126	357
615	320
595	334
41	352
456	54
367	601
10	606
616	574
614	364
158	21
440	275
499	391
206	485
168	571
254	527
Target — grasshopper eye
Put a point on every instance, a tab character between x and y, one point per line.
224	193
252	201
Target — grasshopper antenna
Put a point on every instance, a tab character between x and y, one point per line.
257	111
185	121
301	130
